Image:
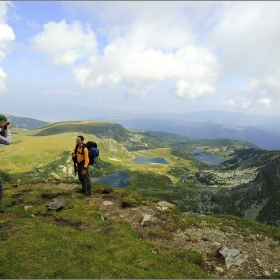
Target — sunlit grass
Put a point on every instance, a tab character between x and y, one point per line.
76	243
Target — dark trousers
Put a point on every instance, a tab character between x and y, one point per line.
84	179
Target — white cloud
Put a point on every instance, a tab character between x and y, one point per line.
192	69
6	37
265	85
245	103
246	37
146	45
229	102
6	32
193	90
266	102
64	43
176	48
3	77
33	24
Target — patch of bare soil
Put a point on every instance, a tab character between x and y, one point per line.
264	253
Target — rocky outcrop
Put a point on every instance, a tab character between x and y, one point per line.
233	256
114	131
270	172
259	199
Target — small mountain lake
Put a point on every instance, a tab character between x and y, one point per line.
209	159
147	160
198	150
115	180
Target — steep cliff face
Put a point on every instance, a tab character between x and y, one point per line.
270	172
260	199
114	131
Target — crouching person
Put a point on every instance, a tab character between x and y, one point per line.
5	139
81	153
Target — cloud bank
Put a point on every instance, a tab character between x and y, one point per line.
213	53
6	36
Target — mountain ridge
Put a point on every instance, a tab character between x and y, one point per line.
119	146
257	129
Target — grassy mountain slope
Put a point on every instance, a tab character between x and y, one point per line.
77	243
88	240
193	186
100	129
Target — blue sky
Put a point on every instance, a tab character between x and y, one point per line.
139	56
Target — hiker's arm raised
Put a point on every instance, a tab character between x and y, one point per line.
6	135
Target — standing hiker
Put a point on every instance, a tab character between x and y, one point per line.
81	153
5	139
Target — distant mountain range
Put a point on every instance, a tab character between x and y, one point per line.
23	122
263	131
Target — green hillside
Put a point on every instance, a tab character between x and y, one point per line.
45	153
88	240
100	129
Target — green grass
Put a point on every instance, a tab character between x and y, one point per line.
48	158
76	243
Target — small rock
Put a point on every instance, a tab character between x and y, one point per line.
258	261
267	273
146	218
165	204
219	269
26	207
107	203
275	270
233	256
162	208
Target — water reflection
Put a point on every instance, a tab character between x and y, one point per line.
116	180
209	159
198	150
147	160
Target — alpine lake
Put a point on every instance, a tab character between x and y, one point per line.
121	179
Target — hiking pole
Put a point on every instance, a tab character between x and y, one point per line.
96	165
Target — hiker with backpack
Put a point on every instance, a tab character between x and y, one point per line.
80	157
5	139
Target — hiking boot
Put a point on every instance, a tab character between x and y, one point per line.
88	193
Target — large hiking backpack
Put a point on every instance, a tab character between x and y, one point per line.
93	153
